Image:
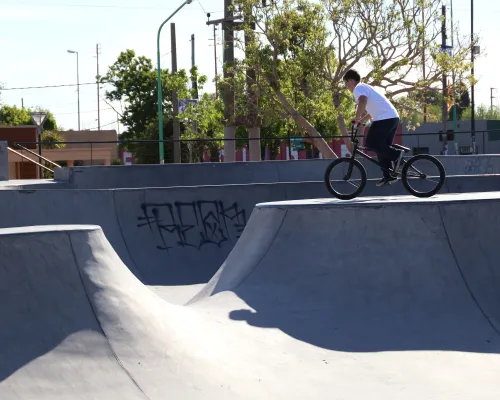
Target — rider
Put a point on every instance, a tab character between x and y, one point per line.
374	105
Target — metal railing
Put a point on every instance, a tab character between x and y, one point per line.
409	139
30	160
39	156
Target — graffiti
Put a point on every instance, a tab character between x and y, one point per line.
192	224
478	166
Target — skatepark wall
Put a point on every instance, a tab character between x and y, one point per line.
138	176
180	235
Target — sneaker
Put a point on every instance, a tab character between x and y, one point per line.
386	181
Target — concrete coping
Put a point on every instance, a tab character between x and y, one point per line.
385	200
24	230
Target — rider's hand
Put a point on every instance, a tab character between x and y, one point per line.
355	121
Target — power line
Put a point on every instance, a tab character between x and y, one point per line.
201	5
48	86
101	6
111	123
71	113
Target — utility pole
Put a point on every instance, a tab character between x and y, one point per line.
194	82
175	100
453	72
230	128
423	63
491	98
253	101
444	78
228	94
215	59
97	52
473	117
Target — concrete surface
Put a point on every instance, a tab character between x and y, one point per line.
175	236
136	176
384	298
370	298
52	344
30	184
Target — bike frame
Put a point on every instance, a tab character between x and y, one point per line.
356	150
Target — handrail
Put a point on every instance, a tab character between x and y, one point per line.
27	158
38	155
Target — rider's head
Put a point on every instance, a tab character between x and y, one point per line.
351	79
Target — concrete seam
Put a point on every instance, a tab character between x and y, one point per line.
97	318
264	254
463	275
139	275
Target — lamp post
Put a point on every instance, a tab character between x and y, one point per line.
77	84
160	97
39	118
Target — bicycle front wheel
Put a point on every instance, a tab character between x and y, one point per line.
345	178
423	175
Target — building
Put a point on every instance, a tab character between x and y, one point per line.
429	138
81	148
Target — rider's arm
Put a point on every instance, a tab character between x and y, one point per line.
361	107
366	117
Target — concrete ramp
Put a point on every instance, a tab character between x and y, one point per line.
77	324
371	298
52	345
386	297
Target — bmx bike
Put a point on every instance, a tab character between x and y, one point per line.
345	177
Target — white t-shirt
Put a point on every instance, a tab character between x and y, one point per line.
378	106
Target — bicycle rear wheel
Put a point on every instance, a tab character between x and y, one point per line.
345	178
423	175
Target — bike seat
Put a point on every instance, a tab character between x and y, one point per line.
399	147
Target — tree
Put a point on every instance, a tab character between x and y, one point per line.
482	112
13	116
462	102
301	50
134	82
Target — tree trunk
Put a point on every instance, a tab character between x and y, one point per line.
229	143
254	145
317	140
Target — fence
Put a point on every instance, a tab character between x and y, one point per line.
281	148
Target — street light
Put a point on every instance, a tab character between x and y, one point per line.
160	97
77	84
39	118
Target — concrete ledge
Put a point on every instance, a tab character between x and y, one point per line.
138	176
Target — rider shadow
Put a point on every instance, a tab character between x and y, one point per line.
354	328
368	288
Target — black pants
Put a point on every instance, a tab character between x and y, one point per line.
379	138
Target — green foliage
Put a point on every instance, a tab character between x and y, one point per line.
14	116
302	49
134	81
117	161
52	136
482	112
204	121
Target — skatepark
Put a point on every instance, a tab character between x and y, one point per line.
125	283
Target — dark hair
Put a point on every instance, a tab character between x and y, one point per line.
352	74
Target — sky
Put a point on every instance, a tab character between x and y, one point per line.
36	34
